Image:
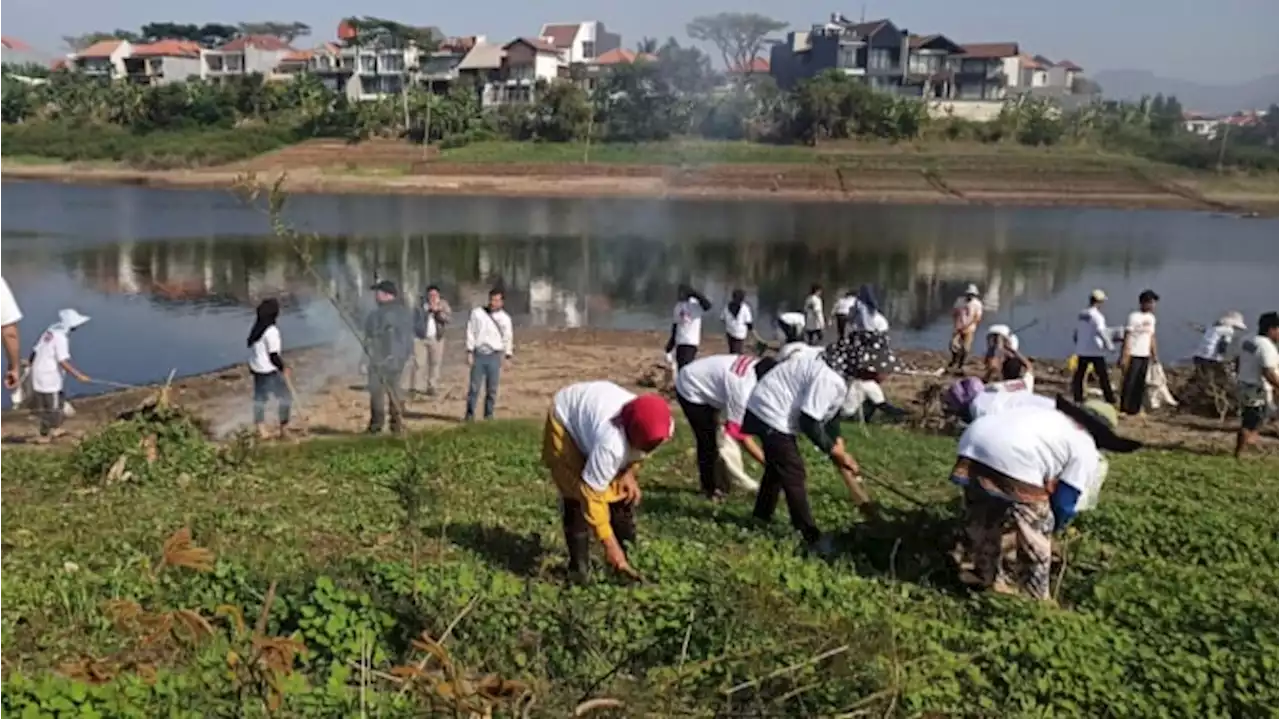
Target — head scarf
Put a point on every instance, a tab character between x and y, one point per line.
646	420
862	354
268	311
961	393
735	302
867	307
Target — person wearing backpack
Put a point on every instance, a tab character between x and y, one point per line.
388	336
489	344
429	321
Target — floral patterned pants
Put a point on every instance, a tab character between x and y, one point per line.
1033	522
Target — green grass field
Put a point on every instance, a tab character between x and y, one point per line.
1169	598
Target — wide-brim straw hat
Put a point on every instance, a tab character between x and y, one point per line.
1234	320
1100	420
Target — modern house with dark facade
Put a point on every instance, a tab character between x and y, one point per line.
887	57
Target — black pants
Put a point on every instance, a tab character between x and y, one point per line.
736	346
48	408
1133	387
703	420
384	390
685	354
813	337
577	532
842	324
266	386
1099	365
784	472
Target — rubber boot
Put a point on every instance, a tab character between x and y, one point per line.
623	521
579	557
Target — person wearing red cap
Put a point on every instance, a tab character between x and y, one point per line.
595	438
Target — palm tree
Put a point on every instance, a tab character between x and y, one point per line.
647	45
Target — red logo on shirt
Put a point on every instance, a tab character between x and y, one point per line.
742	365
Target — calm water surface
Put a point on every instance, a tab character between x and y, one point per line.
170	277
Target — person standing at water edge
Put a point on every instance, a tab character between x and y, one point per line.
814	319
49	359
1092	342
840	312
388	333
490	341
268	368
1033	466
966	315
686	324
865	315
429	322
595	438
1138	352
10	315
738	322
805	396
1257	378
712	389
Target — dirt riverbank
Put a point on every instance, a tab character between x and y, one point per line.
1018	186
332	400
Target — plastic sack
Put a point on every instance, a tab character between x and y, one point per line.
730	456
1157	390
1089	497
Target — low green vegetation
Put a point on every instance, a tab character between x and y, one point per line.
403	584
162	149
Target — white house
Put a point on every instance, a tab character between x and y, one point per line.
103	59
580	42
164	61
246	55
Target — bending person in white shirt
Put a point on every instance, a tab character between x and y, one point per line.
490	342
50	358
1257	377
9	317
712	390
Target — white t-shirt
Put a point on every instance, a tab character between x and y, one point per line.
9	311
967	312
844	305
260	352
1214	344
1142	329
813	317
736	325
1257	353
804	385
1032	445
432	329
587	411
50	351
995	401
687	317
721	381
1092	336
860	392
797	350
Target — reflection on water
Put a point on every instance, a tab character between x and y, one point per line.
171	277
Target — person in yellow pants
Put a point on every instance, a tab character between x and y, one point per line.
595	438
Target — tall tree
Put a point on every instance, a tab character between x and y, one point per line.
688	69
287	31
738	36
76	43
648	45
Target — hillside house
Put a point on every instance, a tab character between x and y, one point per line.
580	42
247	55
103	59
164	61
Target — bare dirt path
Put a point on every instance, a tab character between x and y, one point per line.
333	402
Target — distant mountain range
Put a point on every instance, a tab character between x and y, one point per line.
1195	97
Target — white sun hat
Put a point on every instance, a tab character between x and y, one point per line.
1005	332
1234	320
972	289
71	319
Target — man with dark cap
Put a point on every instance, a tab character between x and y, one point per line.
1138	352
388	341
1257	378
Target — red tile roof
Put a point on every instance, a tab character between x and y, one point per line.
562	34
167	48
534	42
13	43
100	49
297	56
990	50
258	42
59	64
623	56
1030	63
758	65
1068	65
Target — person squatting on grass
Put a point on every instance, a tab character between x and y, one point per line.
490	343
686	324
805	395
1033	466
49	359
1256	377
715	389
268	369
388	341
595	438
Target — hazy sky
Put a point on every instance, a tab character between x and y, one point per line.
1221	42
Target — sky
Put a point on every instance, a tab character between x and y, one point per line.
1224	42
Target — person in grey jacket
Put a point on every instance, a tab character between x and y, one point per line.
388	332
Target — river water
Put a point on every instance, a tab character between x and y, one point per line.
170	277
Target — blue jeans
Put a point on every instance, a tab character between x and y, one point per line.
487	369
